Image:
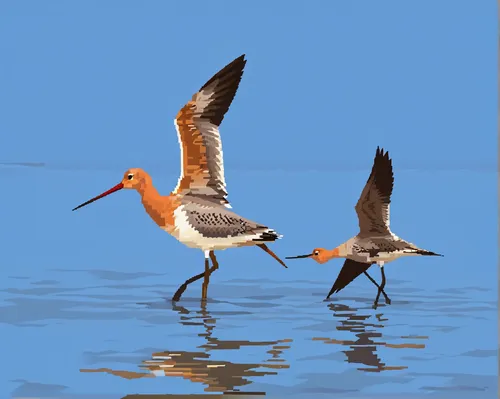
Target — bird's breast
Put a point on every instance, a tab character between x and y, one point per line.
161	210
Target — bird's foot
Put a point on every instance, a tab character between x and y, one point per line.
176	298
375	305
178	293
387	301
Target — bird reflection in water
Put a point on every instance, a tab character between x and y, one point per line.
218	376
363	350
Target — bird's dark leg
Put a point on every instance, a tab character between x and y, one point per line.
382	285
183	287
387	300
206	280
208	273
215	264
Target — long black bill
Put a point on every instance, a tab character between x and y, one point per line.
299	257
110	191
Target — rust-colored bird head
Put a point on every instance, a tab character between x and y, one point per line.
320	255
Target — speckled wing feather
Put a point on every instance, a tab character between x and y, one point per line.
373	246
373	204
219	222
202	165
350	270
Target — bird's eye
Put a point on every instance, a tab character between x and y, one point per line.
316	253
130	176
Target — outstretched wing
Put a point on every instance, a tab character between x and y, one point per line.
373	204
202	165
350	270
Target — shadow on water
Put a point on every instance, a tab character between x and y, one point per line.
368	330
198	367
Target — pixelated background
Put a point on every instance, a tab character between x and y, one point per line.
89	89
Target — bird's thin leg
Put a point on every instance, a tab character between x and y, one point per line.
206	278
382	285
387	300
183	287
215	264
208	273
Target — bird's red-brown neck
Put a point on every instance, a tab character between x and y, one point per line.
159	207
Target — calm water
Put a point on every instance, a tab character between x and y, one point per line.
85	309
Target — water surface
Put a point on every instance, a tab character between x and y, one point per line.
85	307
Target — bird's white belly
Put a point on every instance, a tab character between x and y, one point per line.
385	257
390	256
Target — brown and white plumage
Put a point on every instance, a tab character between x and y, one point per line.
203	225
197	123
196	213
202	219
375	242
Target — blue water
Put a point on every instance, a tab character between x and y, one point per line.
85	307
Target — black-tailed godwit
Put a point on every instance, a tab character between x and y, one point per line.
196	213
375	242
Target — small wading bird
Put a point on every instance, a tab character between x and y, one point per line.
196	212
375	242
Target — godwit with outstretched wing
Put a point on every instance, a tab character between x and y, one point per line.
375	242
196	213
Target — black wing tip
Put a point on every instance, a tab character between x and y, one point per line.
349	272
236	64
268	236
235	67
382	163
225	85
241	58
334	290
381	154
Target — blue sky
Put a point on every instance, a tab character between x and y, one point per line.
97	84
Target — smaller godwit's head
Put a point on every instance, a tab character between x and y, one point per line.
320	255
134	178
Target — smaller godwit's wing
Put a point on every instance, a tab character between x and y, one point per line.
373	204
394	246
350	270
202	165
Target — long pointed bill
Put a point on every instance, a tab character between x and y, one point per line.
299	257
110	191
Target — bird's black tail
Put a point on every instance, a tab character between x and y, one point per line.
268	235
